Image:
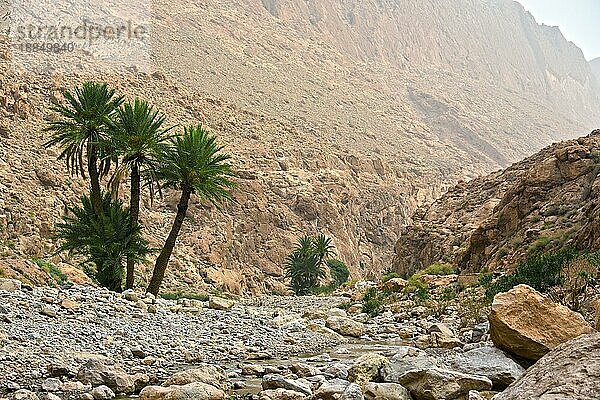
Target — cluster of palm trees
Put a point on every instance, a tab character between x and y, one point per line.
103	137
305	266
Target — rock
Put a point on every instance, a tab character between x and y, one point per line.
102	393
474	395
387	391
253	369
274	381
406	359
345	326
367	368
69	304
395	284
10	285
487	361
51	385
338	389
86	396
281	394
23	394
96	373
191	391
442	336
131	295
569	371
73	386
48	311
220	303
208	374
303	370
528	325
442	384
337	370
336	312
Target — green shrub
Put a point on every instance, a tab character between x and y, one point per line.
540	271
339	272
373	301
389	276
439	269
57	275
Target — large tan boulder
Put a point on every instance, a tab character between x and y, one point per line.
195	391
570	371
529	325
345	326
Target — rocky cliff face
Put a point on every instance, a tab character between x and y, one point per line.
342	116
595	65
548	201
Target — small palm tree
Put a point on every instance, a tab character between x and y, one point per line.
106	241
194	164
81	131
138	137
323	247
305	267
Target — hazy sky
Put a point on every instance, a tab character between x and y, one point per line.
579	21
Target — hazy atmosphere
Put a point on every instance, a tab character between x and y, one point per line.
299	200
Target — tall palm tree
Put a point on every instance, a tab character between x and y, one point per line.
323	247
81	131
194	164
138	137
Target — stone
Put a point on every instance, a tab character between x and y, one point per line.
367	368
442	384
96	373
23	394
569	371
253	369
528	325
336	312
487	361
274	381
406	359
220	303
208	374
48	311
10	285
191	391
338	389
303	370
131	295
69	304
345	326
51	384
395	284
387	391
281	394
442	336
102	393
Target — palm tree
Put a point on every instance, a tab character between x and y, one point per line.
138	137
323	247
194	164
106	241
81	131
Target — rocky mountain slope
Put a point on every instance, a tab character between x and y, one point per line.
342	117
549	201
595	65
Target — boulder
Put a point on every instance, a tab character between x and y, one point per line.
388	391
442	336
338	389
195	391
23	394
220	303
367	368
528	325
10	285
281	394
406	359
209	374
96	373
275	381
569	371
345	326
102	393
487	361
442	384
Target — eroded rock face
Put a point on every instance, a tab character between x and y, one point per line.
528	325
569	371
492	222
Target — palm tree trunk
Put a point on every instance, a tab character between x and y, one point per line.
95	191
134	209
163	258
